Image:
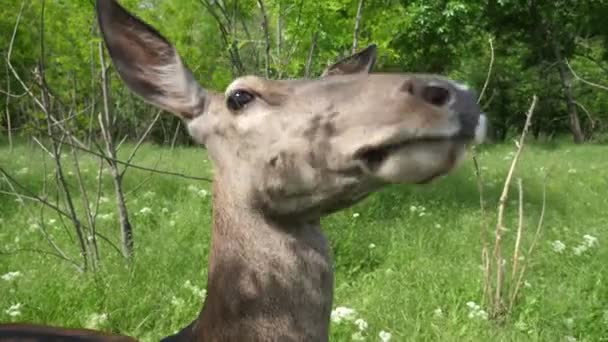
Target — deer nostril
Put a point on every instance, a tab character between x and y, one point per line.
435	95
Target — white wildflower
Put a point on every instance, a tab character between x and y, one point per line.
361	324
96	321
572	171
358	336
145	210
355	215
177	302
558	246
472	305
579	250
438	313
385	336
590	241
569	322
372	246
149	194
570	339
52	221
197	291
105	217
413	208
14	310
202	193
10	276
437	225
33	227
171	223
341	313
475	311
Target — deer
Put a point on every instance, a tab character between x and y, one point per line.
286	153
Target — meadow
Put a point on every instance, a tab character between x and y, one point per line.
407	259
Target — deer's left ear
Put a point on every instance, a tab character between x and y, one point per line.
361	62
148	63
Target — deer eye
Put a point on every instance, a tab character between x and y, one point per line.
238	99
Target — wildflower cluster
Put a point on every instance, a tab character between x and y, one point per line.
202	193
420	210
475	311
14	310
10	276
96	321
588	243
343	314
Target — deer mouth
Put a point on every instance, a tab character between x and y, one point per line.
374	157
442	150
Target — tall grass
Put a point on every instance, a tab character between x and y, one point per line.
407	259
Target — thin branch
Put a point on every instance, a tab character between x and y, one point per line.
500	228
141	141
12	95
311	53
490	68
30	196
357	26
539	227
520	227
485	254
595	85
267	36
139	167
39	251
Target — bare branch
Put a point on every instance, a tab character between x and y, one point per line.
357	26
141	141
311	52
490	68
592	84
500	228
267	35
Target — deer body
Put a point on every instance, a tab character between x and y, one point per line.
253	256
286	153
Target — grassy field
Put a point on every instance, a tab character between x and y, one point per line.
407	259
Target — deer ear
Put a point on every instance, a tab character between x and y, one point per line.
361	62
148	63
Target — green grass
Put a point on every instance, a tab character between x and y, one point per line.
420	263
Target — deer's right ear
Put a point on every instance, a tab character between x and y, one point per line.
361	62
148	63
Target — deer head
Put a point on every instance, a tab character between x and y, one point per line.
303	148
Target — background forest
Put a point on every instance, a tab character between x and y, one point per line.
105	204
540	47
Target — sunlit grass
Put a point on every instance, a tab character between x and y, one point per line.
407	259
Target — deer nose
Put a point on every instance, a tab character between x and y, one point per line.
458	98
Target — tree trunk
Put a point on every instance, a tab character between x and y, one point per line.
565	77
126	231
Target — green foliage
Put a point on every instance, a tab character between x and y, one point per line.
407	259
439	36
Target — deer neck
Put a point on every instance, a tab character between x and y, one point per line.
267	280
